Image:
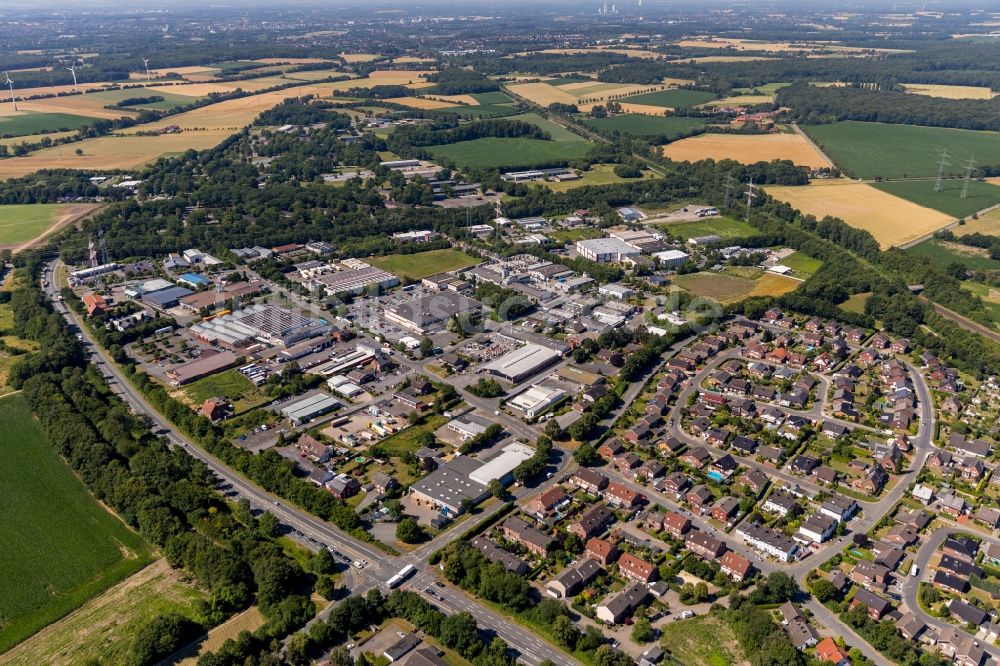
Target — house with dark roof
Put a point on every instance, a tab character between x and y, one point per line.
573	578
966	613
876	606
593	522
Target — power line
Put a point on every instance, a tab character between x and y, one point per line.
941	166
730	184
968	176
751	195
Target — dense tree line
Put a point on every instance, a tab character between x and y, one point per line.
460	81
419	136
814	105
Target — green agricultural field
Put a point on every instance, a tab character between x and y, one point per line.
673	99
880	150
801	264
421	264
170	100
491	104
642	125
60	547
943	253
949	200
723	227
20	223
37	123
555	130
492	152
766	89
718	286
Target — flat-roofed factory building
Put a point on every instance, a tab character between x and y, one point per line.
523	362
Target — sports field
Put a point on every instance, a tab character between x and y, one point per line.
880	150
20	223
672	99
60	547
421	264
645	125
891	220
949	92
949	200
32	122
746	149
102	630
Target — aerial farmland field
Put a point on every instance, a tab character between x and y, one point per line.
746	148
60	546
673	99
20	223
880	150
949	200
948	91
34	122
891	220
646	125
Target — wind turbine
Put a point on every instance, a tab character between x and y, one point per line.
11	85
145	62
72	69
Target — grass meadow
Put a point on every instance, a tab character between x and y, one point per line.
30	122
60	547
421	264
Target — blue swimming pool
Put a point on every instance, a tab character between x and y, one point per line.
715	476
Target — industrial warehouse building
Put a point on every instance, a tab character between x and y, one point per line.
431	312
308	408
606	250
208	364
352	280
464	478
536	400
523	362
262	323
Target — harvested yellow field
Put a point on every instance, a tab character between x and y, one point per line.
316	74
352	58
677	82
49	91
183	71
111	152
632	53
774	47
385	77
891	220
604	90
409	60
645	109
289	61
249	620
746	148
34	138
988	224
740	100
732	58
949	92
192	89
543	94
771	284
456	99
80	105
422	103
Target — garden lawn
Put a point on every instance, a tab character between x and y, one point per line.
881	150
639	124
671	98
31	122
419	265
58	546
949	200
